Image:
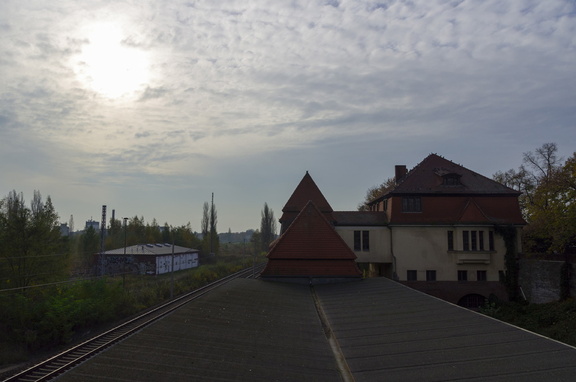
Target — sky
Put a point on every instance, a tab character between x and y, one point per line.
150	106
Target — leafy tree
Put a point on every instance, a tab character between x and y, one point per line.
210	241
90	246
548	198
267	227
532	178
376	192
31	250
256	241
205	223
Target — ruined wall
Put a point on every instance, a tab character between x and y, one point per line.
540	280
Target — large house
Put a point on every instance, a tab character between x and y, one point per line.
436	230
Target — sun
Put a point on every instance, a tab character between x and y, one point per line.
109	66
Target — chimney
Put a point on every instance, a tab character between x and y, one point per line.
400	171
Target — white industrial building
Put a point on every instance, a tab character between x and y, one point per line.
150	259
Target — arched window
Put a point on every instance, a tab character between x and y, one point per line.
472	301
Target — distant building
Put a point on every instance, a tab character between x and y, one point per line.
92	223
150	259
436	230
64	229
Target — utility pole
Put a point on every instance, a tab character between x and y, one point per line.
172	273
125	259
102	235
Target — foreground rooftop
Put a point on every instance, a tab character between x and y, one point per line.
379	329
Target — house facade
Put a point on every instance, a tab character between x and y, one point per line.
436	230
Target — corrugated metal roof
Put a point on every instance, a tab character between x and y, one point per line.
389	332
150	249
247	330
251	330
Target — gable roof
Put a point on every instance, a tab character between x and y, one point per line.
428	176
311	248
473	213
311	236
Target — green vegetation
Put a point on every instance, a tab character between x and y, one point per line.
548	199
556	320
46	317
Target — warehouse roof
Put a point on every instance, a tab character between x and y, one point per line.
151	249
381	330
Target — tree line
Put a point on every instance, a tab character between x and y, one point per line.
33	251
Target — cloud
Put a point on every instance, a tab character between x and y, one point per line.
232	81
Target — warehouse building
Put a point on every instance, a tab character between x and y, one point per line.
150	259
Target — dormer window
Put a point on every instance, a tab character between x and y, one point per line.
451	179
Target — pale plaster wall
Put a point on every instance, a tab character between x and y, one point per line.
379	243
426	248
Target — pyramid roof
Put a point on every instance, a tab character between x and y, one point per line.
306	191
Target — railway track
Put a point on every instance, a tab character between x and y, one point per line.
60	363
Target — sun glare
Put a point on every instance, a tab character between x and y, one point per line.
109	66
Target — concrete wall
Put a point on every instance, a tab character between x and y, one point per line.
540	280
181	261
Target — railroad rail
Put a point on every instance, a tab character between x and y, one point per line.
60	363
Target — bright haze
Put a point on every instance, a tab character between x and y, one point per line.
150	106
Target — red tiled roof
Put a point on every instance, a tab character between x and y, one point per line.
427	178
311	246
306	191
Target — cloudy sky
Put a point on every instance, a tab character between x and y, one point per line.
149	106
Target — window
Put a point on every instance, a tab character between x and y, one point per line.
473	240
411	275
481	240
411	204
450	240
365	240
481	276
362	240
462	275
451	179
491	240
466	240
357	241
431	275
